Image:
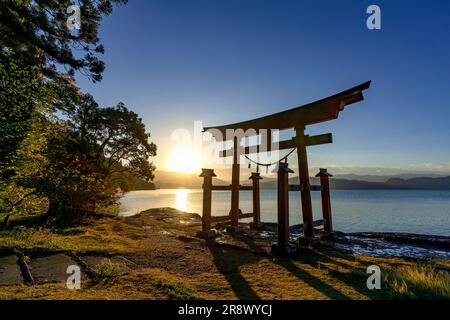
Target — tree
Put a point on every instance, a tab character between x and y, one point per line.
18	195
22	97
82	162
92	149
37	31
35	46
18	86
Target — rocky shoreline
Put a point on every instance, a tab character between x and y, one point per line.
378	244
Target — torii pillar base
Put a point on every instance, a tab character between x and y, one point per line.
307	241
210	234
325	235
284	250
237	228
256	225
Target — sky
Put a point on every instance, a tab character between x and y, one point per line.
224	61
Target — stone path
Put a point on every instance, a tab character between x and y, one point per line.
10	273
53	267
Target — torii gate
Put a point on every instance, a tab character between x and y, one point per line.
298	118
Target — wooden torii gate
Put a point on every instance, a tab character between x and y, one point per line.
298	118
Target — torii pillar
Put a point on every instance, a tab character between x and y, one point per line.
234	212
305	187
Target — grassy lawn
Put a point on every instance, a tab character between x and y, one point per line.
166	261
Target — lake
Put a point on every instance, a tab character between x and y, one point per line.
412	211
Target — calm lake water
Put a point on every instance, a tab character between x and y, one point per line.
412	211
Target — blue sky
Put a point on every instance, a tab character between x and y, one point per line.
225	61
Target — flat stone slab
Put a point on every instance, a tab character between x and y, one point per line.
51	268
10	271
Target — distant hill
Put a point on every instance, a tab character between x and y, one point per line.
420	183
174	180
384	178
442	183
134	183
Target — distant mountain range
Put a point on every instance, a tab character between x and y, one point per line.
135	183
173	180
384	178
438	183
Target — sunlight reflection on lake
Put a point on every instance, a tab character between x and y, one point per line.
182	199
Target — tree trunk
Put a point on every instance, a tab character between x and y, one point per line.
53	208
6	220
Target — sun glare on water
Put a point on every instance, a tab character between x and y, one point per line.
182	159
182	200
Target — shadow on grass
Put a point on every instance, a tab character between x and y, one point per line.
301	274
311	280
239	284
38	220
352	276
228	261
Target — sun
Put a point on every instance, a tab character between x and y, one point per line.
183	159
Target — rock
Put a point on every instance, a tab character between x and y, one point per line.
238	228
173	216
213	233
256	225
52	268
308	242
284	251
10	271
188	239
407	238
330	235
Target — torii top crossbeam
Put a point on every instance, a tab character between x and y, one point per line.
314	112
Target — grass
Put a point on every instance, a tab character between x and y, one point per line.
21	237
98	235
107	268
143	285
167	266
420	281
71	230
177	291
